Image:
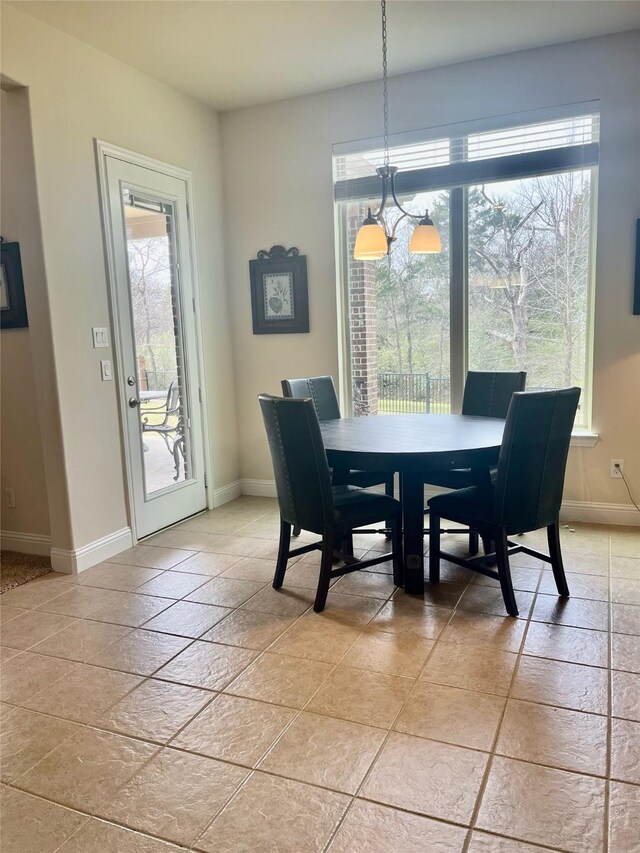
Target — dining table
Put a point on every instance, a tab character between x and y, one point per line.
412	445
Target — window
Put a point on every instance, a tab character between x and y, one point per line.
512	288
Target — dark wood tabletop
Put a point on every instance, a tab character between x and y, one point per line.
401	442
412	445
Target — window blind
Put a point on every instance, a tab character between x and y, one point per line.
505	153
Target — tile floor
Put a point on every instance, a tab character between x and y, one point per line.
170	700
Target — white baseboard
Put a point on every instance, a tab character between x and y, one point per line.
25	543
599	513
227	493
73	561
585	511
259	488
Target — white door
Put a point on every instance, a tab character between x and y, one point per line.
154	310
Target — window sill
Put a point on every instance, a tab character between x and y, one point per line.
584	438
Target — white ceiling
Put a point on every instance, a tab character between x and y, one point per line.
234	53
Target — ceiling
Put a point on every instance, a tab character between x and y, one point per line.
235	53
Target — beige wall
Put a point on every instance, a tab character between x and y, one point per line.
28	396
22	462
78	94
278	189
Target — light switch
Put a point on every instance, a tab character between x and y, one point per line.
105	370
100	337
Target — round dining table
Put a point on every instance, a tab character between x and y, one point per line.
412	445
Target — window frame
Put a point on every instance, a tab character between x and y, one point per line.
457	178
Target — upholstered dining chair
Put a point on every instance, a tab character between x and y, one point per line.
322	391
487	394
526	495
307	499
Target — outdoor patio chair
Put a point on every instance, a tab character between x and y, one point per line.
169	426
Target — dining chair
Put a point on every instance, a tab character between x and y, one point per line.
487	394
322	391
307	499
526	495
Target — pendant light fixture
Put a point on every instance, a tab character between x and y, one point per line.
374	239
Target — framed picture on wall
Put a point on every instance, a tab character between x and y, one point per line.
279	296
13	305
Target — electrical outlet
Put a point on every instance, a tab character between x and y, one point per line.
10	498
616	468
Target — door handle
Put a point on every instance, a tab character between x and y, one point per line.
134	402
131	380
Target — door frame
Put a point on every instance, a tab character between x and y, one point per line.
104	150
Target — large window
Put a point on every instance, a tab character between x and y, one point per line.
512	287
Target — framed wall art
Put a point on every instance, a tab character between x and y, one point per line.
279	296
13	305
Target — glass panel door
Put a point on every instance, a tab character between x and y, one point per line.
158	341
158	375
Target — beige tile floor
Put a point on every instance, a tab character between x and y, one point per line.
171	700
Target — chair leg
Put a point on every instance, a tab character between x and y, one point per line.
474	544
487	544
283	554
295	531
388	490
325	570
434	548
502	559
396	547
388	486
553	538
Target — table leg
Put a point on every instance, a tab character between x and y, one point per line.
340	476
413	522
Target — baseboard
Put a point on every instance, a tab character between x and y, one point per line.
259	488
73	561
599	513
25	543
227	493
585	511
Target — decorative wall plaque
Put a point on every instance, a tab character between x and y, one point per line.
279	296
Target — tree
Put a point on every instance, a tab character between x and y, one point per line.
528	283
528	259
151	288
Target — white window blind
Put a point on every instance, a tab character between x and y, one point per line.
460	160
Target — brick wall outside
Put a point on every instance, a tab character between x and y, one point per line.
362	319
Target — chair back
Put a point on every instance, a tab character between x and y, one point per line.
303	483
320	389
172	396
488	394
533	458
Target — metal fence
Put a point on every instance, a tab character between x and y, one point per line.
413	393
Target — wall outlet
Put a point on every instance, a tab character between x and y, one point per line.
616	468
10	498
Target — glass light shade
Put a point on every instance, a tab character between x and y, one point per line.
425	239
371	243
